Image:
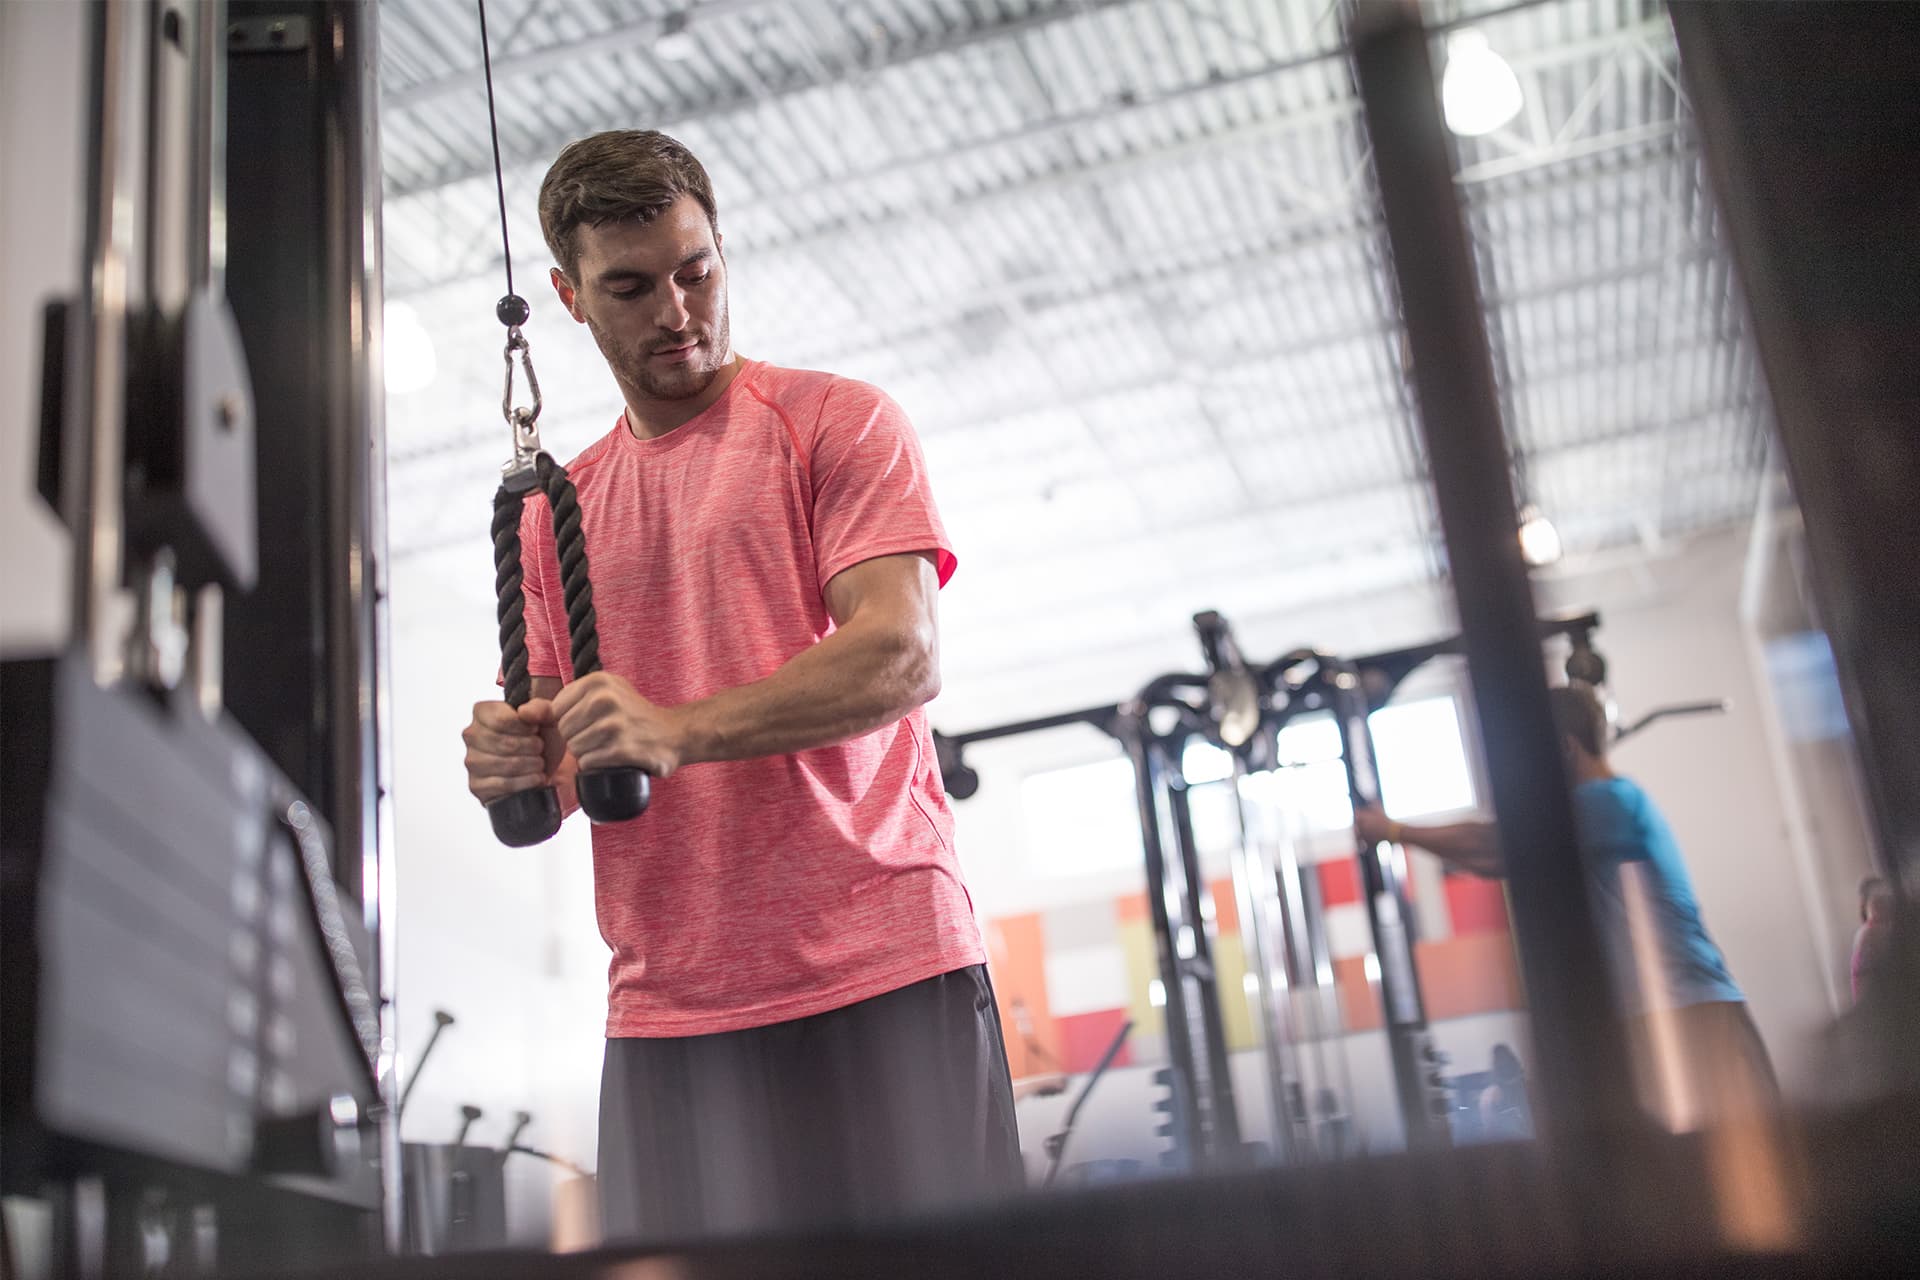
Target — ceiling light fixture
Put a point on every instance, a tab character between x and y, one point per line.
674	43
1539	540
1478	90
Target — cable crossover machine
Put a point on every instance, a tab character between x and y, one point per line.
1241	707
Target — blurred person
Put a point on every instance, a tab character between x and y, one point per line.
1505	1110
800	1026
1870	941
1692	1034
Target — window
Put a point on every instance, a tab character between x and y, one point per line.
1082	820
1423	758
1085	819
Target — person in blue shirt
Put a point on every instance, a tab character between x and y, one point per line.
1697	1051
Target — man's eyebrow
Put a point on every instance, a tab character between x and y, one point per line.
622	275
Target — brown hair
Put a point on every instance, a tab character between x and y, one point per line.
1579	714
614	176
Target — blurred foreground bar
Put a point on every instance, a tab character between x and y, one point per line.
1809	118
1482	1211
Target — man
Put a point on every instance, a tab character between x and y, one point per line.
800	1026
1870	941
1695	1044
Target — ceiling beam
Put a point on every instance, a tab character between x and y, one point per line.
558	55
541	148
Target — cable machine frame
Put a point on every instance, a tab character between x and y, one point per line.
1241	708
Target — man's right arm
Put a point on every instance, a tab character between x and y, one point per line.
509	751
1473	847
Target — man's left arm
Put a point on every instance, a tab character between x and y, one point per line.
879	663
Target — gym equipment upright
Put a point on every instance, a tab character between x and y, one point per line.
615	794
1241	708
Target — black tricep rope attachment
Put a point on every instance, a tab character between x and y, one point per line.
607	795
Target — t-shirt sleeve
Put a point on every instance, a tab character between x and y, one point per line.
1612	831
541	583
871	493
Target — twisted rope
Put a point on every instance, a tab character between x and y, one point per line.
576	588
509	579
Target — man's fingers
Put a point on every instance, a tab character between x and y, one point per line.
516	767
494	715
570	695
576	717
502	776
487	790
591	736
608	758
492	742
537	713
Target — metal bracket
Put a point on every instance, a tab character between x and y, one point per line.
287	34
523	419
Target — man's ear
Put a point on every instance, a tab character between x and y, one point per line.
569	296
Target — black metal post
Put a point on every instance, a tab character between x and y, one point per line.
1269	924
1809	117
1184	1080
304	648
1223	1116
1383	883
1581	1062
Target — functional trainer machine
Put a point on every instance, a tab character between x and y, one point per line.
1241	707
198	1033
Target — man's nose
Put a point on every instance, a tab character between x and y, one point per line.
674	315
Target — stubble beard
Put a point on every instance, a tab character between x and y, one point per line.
634	367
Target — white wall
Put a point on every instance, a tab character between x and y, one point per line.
43	63
504	939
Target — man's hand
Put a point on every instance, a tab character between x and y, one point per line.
606	723
1471	846
1374	826
505	753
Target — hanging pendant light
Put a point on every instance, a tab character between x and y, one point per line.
1478	91
1539	540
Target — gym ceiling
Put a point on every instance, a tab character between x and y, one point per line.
1122	263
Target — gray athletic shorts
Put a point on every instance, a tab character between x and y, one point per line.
892	1106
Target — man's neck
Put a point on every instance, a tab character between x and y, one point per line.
1591	770
649	419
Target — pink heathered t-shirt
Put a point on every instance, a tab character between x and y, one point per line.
758	891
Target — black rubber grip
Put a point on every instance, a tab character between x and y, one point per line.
613	795
526	817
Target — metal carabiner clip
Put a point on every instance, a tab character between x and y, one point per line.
522	419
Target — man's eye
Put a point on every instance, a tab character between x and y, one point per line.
694	282
623	294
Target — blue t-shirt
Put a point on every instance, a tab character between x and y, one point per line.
1619	827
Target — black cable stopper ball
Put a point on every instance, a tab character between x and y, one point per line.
1586	665
512	310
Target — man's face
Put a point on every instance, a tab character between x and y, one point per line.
654	296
